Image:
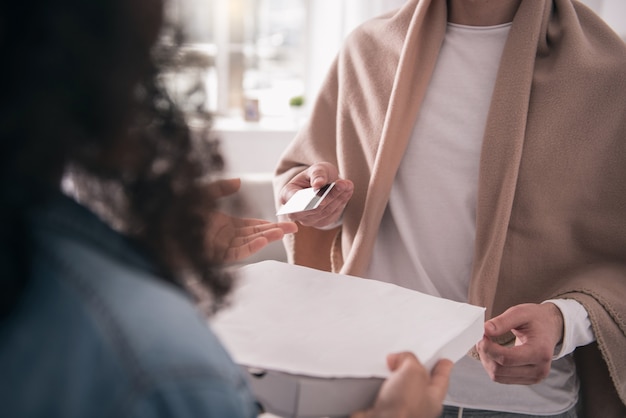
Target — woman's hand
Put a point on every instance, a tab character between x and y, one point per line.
410	391
231	238
331	208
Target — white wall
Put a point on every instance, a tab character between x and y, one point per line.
253	148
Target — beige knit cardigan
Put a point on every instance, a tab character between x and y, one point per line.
551	215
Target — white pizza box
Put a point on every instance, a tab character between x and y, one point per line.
314	343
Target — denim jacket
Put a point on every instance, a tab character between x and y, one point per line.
97	334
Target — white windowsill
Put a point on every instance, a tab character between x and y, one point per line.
265	124
253	147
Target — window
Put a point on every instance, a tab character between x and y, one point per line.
244	50
264	50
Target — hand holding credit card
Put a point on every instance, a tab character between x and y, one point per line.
305	199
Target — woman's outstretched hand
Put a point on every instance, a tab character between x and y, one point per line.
231	238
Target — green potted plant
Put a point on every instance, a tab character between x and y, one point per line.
296	103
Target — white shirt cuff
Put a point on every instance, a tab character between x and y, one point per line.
577	329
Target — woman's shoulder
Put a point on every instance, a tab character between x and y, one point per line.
379	36
140	331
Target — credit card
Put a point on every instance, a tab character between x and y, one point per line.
305	199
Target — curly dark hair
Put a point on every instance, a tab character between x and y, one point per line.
81	87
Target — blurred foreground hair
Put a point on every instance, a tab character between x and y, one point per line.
82	88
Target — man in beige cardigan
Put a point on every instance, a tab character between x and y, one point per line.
479	153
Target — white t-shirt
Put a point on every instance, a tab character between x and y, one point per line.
426	238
